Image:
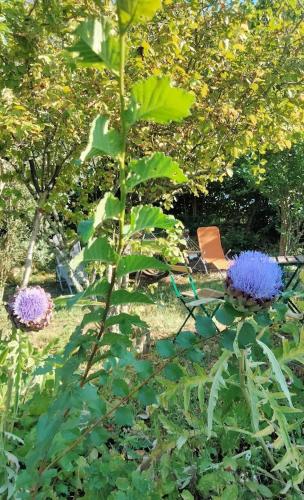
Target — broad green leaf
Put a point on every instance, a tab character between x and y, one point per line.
97	45
265	491
132	263
205	327
155	100
276	370
148	217
98	289
120	388
247	335
156	166
126	320
227	338
173	372
147	396
89	395
230	492
125	297
135	11
165	348
107	208
93	316
115	339
86	229
226	314
194	354
124	416
217	382
98	250
143	367
101	140
186	339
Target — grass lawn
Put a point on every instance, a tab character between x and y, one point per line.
164	317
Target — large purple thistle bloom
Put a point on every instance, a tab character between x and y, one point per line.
31	308
256	275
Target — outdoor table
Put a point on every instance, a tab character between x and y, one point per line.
296	261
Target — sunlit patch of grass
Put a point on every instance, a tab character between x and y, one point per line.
164	317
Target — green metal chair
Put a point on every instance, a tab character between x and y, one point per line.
194	299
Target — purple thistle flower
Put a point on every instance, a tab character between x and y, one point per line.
31	308
256	276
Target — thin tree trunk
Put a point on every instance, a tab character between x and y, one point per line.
30	251
284	230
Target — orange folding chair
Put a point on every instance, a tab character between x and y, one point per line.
209	240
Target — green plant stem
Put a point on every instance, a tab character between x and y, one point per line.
101	331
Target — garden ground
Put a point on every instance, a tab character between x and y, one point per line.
164	317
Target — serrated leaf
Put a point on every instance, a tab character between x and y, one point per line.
148	217
217	382
101	140
98	250
135	11
155	100
165	348
205	327
125	297
124	416
226	314
276	370
97	45
156	166
132	263
173	372
147	396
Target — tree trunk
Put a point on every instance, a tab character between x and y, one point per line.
29	257
284	231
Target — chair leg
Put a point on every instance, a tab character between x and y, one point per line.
190	314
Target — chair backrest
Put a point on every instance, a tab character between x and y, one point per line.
209	240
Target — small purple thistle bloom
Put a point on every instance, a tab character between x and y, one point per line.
31	308
256	275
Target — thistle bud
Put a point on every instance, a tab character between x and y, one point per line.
31	308
253	282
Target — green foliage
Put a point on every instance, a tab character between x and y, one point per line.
107	419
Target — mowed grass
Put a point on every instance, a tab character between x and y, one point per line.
164	317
